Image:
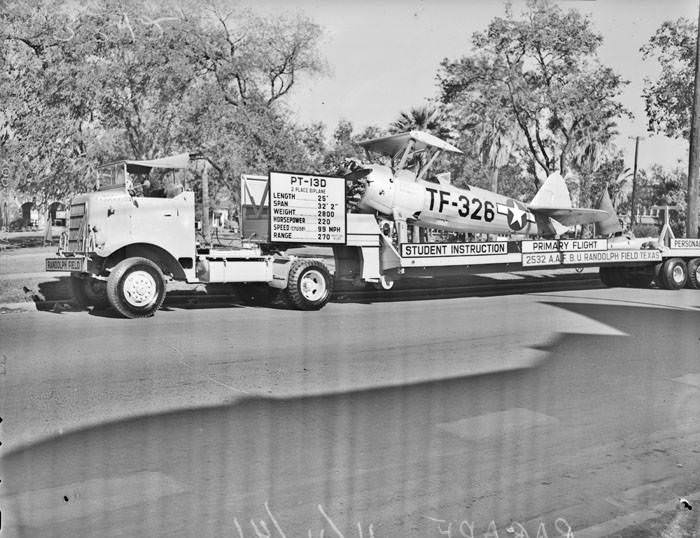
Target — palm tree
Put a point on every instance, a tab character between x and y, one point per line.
496	140
421	118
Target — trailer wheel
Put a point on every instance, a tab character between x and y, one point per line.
674	274
612	277
89	292
309	285
136	288
255	294
694	274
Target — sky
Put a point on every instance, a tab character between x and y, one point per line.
383	56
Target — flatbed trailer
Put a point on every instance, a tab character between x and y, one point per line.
371	256
122	247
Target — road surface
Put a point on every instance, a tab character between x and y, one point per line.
486	415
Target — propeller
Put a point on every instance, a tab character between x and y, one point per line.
355	182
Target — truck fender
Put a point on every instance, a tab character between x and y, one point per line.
161	257
280	272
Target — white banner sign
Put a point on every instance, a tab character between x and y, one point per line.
559	245
590	257
307	209
685	243
429	250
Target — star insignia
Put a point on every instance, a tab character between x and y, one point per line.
517	215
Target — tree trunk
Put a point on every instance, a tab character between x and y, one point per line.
694	159
494	179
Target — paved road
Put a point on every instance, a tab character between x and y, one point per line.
453	417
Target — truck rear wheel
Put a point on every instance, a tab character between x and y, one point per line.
694	274
136	288
89	291
673	274
309	285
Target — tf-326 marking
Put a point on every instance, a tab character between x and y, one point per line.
463	205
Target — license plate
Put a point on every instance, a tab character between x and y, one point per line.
64	264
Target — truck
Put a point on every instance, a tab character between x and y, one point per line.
127	238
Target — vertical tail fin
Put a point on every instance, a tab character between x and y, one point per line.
610	225
552	193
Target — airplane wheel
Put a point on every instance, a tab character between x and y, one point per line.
694	274
309	285
674	274
136	288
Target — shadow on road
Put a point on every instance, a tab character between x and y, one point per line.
388	455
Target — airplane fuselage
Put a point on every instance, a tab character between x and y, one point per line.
445	207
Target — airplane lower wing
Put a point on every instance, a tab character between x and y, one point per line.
571	216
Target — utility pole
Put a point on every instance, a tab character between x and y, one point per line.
206	229
634	180
694	158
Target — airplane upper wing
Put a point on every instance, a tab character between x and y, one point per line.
570	216
392	145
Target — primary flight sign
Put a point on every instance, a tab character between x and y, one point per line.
307	209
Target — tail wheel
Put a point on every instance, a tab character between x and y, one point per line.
89	291
673	274
694	274
136	288
309	285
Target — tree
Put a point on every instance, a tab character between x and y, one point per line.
669	98
669	187
539	74
426	118
85	84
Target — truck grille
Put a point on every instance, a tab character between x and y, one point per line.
76	228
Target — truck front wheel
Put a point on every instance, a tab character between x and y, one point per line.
136	288
309	285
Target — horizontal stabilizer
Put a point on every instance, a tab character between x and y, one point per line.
571	216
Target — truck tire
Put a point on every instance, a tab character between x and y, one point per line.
673	274
136	288
309	285
89	291
694	274
257	294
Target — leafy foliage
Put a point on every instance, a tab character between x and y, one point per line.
86	84
534	86
669	99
